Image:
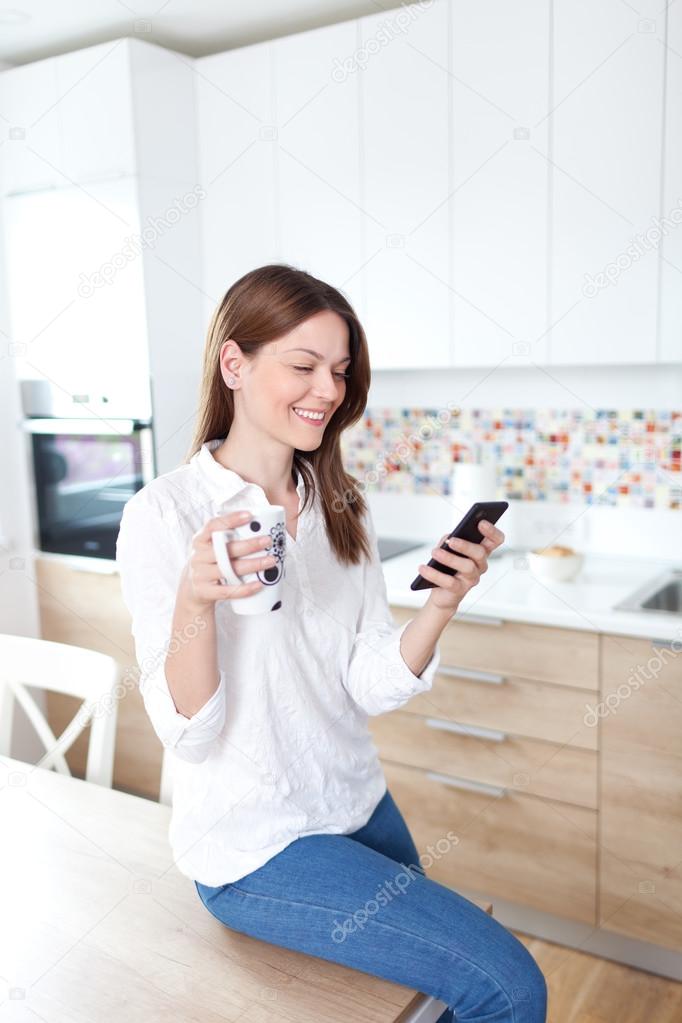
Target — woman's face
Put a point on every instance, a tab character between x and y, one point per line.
283	379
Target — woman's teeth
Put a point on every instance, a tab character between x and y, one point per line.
311	417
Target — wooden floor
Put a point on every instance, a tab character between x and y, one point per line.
585	989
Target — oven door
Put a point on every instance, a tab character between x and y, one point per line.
84	474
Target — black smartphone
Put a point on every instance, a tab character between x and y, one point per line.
467	529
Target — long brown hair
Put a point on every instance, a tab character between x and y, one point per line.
262	306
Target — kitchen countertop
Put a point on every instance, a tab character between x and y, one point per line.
509	591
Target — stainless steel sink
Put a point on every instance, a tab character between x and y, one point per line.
662	595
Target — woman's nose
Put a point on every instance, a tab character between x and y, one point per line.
325	386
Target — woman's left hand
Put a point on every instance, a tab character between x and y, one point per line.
470	560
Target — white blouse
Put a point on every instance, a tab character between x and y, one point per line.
282	748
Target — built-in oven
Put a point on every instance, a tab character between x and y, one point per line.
85	470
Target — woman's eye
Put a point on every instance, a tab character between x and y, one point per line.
308	369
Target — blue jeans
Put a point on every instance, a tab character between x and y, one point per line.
363	900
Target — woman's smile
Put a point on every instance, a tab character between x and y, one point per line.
313	417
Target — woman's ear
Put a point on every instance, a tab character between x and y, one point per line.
230	362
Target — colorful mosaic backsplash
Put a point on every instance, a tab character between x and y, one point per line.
626	459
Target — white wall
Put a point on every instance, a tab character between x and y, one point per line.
18	593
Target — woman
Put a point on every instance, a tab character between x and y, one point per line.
281	814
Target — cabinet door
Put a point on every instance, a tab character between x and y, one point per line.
641	790
318	157
535	852
671	244
606	124
403	63
236	144
500	174
96	113
31	154
76	294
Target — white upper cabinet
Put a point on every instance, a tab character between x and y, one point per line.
670	326
71	119
500	174
237	142
77	310
402	61
320	214
32	150
95	109
607	112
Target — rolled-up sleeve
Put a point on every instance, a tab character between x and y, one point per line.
378	678
150	561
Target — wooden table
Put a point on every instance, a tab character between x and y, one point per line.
97	923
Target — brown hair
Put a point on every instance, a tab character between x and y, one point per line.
262	306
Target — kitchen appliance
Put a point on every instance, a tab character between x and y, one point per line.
84	473
389	547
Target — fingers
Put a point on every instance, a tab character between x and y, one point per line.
491	532
466	566
241	563
244	566
465	548
447	582
230	521
207	585
247	556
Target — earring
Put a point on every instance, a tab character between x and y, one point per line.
230	381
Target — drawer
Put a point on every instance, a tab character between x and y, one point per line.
565	656
521	765
530	851
533	709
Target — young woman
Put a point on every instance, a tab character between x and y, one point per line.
281	814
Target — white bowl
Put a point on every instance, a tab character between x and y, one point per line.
557	569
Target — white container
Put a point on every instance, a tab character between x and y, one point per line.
473	481
551	568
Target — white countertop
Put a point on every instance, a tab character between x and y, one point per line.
510	592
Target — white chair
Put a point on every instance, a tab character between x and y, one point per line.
71	670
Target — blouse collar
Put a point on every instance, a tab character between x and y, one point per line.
226	482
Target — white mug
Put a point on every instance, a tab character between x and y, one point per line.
271	520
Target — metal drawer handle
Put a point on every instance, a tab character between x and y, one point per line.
666	644
464	783
476	730
471	673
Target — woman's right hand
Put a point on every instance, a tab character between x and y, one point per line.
201	579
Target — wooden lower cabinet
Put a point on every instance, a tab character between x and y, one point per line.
561	656
641	790
86	608
536	852
525	765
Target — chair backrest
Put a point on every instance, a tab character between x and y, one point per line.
61	668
